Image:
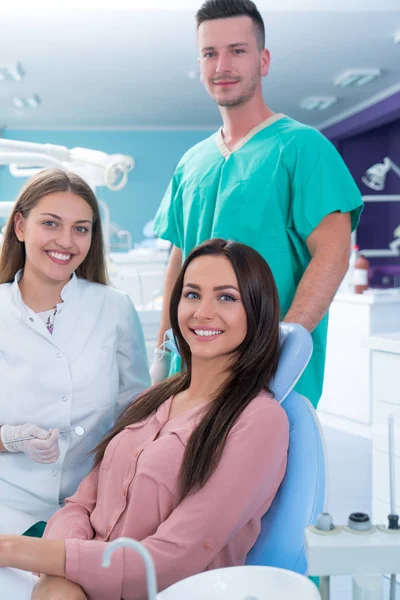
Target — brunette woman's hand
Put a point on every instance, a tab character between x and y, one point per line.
57	588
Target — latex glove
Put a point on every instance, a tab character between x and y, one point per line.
159	368
43	450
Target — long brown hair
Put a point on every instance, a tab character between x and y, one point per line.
256	363
48	181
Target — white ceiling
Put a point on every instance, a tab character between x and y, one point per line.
125	68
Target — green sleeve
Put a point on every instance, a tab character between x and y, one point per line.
321	183
168	220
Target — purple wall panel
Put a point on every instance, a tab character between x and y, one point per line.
381	113
363	140
379	219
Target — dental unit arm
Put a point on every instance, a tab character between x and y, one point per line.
97	168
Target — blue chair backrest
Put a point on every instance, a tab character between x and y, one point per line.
300	497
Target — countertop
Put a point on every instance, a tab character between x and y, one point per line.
385	342
377	297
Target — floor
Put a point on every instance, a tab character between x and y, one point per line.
350	467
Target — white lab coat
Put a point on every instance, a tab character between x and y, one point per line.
85	373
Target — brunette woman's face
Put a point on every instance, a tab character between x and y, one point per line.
211	315
57	235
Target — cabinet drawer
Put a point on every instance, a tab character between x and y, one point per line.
380	477
380	430
385	377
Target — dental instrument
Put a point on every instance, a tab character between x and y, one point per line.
79	430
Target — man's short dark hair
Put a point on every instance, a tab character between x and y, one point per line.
223	9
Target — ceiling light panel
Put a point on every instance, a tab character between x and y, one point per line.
318	102
357	77
28	102
18	102
33	101
11	72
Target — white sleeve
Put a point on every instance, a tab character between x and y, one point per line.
133	367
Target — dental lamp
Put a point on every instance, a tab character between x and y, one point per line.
97	168
375	176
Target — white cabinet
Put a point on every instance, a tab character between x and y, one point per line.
150	320
385	383
346	401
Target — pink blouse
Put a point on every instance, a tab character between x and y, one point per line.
133	493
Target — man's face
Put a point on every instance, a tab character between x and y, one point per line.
231	63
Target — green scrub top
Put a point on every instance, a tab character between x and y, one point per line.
270	192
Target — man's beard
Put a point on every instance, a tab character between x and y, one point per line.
239	100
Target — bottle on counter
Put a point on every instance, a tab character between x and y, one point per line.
349	277
360	271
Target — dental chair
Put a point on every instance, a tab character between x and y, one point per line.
276	564
301	495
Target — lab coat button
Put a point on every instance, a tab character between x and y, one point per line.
31	319
64	398
59	354
55	473
63	437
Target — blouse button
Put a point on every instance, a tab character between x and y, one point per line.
136	454
124	493
207	546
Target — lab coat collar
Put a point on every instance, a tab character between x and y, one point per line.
66	293
17	293
69	288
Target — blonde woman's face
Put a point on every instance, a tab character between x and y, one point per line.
57	235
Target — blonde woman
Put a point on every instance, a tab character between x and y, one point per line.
71	348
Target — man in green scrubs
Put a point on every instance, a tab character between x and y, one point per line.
263	179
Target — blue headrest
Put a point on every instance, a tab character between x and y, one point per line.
296	349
